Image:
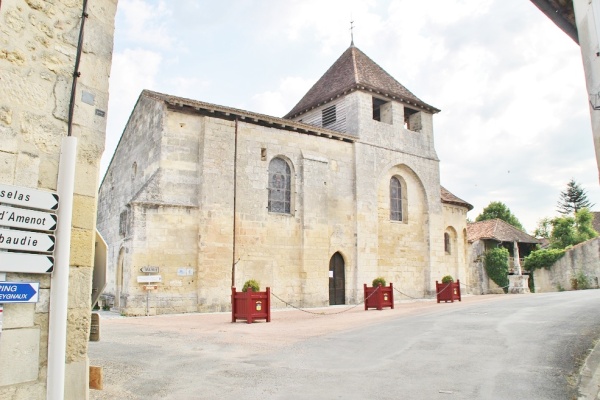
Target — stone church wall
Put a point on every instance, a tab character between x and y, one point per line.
455	262
39	45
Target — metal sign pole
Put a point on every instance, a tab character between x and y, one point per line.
2	279
59	284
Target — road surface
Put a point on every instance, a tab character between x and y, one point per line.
485	347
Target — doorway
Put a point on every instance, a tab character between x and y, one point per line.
337	280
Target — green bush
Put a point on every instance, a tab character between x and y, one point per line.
251	284
379	280
581	281
447	279
496	266
544	258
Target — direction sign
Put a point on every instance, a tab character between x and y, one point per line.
26	241
26	263
149	269
28	197
19	292
27	219
149	279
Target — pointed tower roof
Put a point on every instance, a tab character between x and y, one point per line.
355	71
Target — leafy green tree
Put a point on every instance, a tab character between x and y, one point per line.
573	199
543	229
569	231
497	209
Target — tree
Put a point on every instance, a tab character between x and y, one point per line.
573	199
569	231
543	229
497	209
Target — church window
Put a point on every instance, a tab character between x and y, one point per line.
447	243
279	186
409	120
328	116
395	199
382	110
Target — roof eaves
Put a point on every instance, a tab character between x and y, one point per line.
230	113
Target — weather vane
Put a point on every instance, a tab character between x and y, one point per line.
351	31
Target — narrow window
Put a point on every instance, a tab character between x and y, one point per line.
123	223
328	116
395	199
409	122
279	186
382	110
447	243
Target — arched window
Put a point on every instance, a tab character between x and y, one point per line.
447	248
279	186
395	199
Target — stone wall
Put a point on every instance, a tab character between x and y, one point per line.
38	42
581	260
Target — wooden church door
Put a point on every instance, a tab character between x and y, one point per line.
337	280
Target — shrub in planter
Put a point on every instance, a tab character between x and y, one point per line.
251	283
447	279
379	297
252	304
379	281
448	290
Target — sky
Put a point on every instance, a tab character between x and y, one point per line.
515	123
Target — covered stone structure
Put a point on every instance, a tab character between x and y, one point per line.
343	189
486	235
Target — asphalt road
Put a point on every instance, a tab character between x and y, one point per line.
485	347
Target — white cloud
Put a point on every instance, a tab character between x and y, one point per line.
144	22
279	101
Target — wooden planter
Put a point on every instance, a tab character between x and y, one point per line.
250	305
383	296
448	291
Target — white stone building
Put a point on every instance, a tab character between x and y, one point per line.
341	190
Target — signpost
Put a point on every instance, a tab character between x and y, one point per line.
23	239
19	292
149	279
26	241
149	269
22	218
28	197
26	263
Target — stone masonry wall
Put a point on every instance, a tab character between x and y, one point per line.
38	46
582	259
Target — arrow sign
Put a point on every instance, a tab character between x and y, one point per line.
19	292
26	241
27	219
27	263
28	197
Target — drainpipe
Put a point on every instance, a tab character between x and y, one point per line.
233	262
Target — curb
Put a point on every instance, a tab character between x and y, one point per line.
589	376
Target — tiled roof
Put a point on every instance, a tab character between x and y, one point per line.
499	230
355	71
449	198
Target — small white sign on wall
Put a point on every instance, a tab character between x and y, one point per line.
185	271
331	274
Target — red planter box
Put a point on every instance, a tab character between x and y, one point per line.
383	296
250	305
448	291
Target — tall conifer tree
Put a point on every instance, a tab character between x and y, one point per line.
573	199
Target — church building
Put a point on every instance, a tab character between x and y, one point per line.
343	189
